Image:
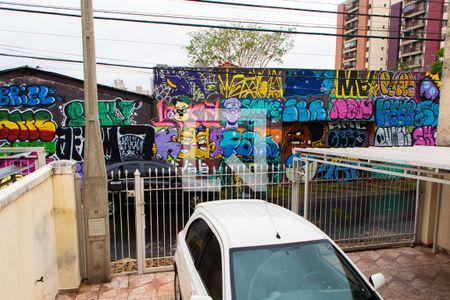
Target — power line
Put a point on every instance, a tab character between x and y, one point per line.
196	25
308	10
201	18
9	47
248	71
204	18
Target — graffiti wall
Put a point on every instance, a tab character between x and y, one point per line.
38	112
304	108
202	117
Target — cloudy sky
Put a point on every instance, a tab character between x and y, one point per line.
150	44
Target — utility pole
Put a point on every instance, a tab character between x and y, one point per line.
443	135
95	196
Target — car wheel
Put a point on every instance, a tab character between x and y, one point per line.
176	286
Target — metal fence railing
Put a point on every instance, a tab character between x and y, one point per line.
169	197
358	208
19	161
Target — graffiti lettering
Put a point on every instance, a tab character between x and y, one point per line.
424	136
351	109
427	113
355	84
395	112
252	84
26	125
298	110
346	138
248	144
119	143
398	85
392	137
28	95
346	125
110	113
70	143
274	108
327	171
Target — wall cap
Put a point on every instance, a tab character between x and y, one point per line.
17	189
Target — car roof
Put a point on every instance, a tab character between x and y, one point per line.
248	223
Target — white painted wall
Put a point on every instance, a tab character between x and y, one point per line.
39	235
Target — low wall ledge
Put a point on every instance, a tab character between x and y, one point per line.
20	187
61	167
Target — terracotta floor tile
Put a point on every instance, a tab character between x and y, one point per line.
411	273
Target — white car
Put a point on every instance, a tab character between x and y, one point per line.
254	250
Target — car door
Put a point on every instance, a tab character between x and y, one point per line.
210	267
200	264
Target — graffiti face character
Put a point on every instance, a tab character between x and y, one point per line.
232	112
181	110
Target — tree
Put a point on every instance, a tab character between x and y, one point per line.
437	65
243	48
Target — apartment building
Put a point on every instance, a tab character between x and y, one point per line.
406	18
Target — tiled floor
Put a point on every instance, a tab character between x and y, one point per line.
411	273
158	286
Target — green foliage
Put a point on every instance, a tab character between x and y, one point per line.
213	47
437	65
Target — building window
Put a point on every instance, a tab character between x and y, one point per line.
381	58
367	59
382	48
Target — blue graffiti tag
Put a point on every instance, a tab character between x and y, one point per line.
28	95
298	110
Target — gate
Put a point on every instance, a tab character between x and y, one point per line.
357	206
146	212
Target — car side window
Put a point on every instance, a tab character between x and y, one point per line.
210	268
196	237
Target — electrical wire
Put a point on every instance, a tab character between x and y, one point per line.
196	25
308	10
244	71
187	17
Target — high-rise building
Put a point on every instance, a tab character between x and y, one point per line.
419	19
118	83
404	18
350	51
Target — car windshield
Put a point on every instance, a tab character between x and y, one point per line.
311	270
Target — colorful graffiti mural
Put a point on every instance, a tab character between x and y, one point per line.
199	115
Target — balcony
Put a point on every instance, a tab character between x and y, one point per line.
411	49
414	9
412	25
351	7
350	18
349	56
349	65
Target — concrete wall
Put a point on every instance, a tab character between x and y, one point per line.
39	234
427	215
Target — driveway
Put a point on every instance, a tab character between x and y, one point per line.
411	273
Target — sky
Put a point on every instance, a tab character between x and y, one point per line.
151	44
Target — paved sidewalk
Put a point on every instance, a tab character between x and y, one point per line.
411	273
